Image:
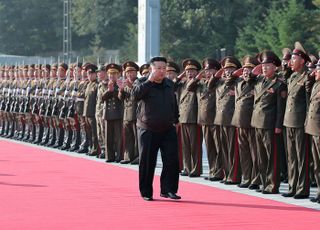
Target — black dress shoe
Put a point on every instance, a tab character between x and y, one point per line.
243	185
194	175
289	194
253	187
170	195
135	161
299	196
124	162
267	192
184	173
147	198
315	199
109	161
231	183
313	185
259	190
81	151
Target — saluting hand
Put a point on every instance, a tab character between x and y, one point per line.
182	75
200	75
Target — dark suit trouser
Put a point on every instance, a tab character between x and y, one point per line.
210	134
230	154
113	137
192	148
149	144
130	141
298	161
268	159
93	136
248	156
316	160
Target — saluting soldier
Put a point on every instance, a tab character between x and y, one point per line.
191	134
270	95
130	141
100	106
244	99
312	127
294	118
89	109
206	95
113	115
225	103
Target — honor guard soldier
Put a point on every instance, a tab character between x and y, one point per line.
31	85
312	127
44	100
113	115
72	114
270	95
67	100
244	99
89	109
144	70
60	88
79	110
286	70
206	95
50	101
130	141
191	134
294	118
225	104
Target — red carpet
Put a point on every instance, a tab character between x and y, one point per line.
40	189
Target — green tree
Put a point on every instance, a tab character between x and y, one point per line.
30	27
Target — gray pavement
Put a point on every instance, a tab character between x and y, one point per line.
200	180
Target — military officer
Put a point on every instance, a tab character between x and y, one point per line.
172	71
130	141
244	99
270	95
294	118
191	134
100	106
144	70
225	102
113	115
89	109
206	95
312	127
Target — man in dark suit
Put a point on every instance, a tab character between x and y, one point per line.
312	127
294	118
156	117
267	118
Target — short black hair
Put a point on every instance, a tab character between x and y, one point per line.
154	59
